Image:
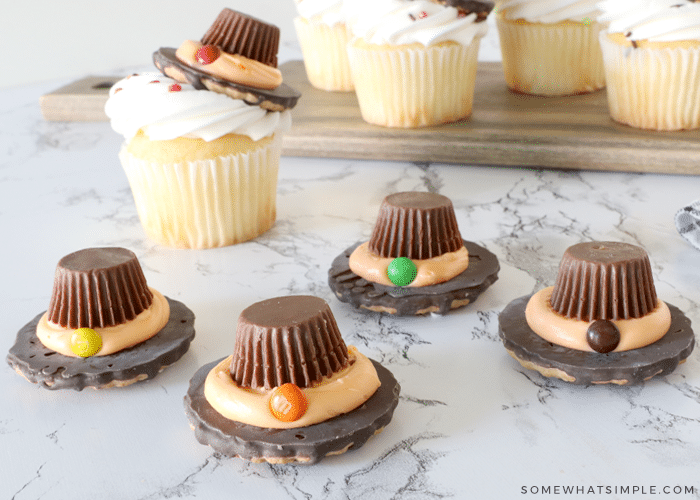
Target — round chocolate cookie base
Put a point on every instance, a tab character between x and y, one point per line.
305	445
409	301
582	367
51	370
278	99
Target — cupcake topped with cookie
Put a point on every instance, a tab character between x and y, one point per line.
292	391
104	326
601	322
203	138
415	261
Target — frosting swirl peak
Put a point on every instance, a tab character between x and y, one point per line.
549	11
165	109
653	20
399	22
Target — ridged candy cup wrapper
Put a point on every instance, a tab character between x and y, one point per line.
554	59
410	86
653	88
206	203
325	54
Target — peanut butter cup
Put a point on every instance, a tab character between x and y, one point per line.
238	33
416	225
98	288
604	281
287	340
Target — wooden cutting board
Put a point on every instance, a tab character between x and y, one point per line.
505	129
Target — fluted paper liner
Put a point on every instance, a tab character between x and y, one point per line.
238	33
291	339
416	225
325	54
653	88
551	59
206	203
408	87
604	280
98	288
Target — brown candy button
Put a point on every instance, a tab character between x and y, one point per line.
603	336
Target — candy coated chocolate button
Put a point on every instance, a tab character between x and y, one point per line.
288	403
603	336
402	271
85	342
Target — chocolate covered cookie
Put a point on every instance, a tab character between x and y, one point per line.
104	326
600	323
415	262
292	392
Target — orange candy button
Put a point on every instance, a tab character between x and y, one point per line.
288	403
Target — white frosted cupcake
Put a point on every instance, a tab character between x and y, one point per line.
414	62
550	47
652	62
202	166
323	36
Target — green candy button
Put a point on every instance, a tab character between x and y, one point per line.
401	271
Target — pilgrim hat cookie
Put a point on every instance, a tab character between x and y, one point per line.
104	327
601	322
415	262
292	392
237	56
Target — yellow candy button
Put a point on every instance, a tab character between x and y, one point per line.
85	342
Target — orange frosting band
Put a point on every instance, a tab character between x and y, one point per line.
373	268
571	332
232	67
114	338
341	393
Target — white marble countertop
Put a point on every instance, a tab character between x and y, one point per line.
471	423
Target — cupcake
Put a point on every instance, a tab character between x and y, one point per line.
415	261
203	139
292	391
601	322
104	327
414	62
323	36
550	49
652	62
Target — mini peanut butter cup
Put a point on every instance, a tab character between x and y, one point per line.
282	340
604	281
238	33
416	225
98	288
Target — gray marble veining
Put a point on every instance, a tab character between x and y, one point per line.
471	422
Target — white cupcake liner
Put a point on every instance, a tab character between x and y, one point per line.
325	55
414	87
653	88
551	59
206	203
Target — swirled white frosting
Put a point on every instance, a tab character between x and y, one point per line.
145	102
400	22
549	11
653	20
328	12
